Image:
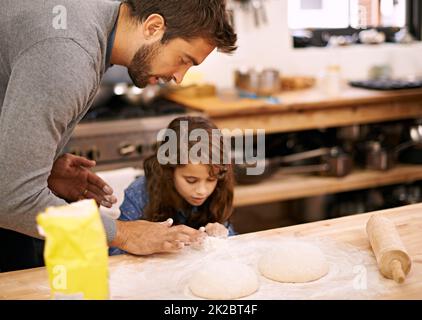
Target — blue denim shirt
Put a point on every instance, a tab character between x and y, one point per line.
136	199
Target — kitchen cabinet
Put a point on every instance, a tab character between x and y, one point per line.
306	110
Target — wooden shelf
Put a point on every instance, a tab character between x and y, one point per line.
292	121
310	109
301	100
288	187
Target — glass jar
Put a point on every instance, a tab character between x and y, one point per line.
332	81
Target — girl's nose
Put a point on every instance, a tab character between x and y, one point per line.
201	190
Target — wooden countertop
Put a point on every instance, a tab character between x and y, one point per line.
311	99
33	284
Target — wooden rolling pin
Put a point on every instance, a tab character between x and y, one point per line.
392	257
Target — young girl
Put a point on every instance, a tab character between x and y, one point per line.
195	194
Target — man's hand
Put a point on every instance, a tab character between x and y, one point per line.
72	180
144	237
216	230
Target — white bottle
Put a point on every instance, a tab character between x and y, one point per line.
332	81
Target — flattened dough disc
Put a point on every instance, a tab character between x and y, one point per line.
224	280
294	262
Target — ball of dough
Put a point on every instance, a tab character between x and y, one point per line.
294	262
210	244
224	281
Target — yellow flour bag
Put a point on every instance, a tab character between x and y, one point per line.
75	253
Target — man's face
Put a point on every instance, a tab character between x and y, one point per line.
168	62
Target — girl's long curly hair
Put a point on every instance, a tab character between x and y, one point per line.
165	201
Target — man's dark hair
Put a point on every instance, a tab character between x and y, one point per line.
189	19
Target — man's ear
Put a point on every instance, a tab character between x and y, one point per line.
154	27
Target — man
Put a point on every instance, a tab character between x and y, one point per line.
53	54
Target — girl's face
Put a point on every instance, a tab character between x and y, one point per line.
194	183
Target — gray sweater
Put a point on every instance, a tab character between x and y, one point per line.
48	79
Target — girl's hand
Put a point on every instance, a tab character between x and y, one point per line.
216	230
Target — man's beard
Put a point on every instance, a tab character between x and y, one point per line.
140	66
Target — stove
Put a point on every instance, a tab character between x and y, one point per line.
120	135
118	109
